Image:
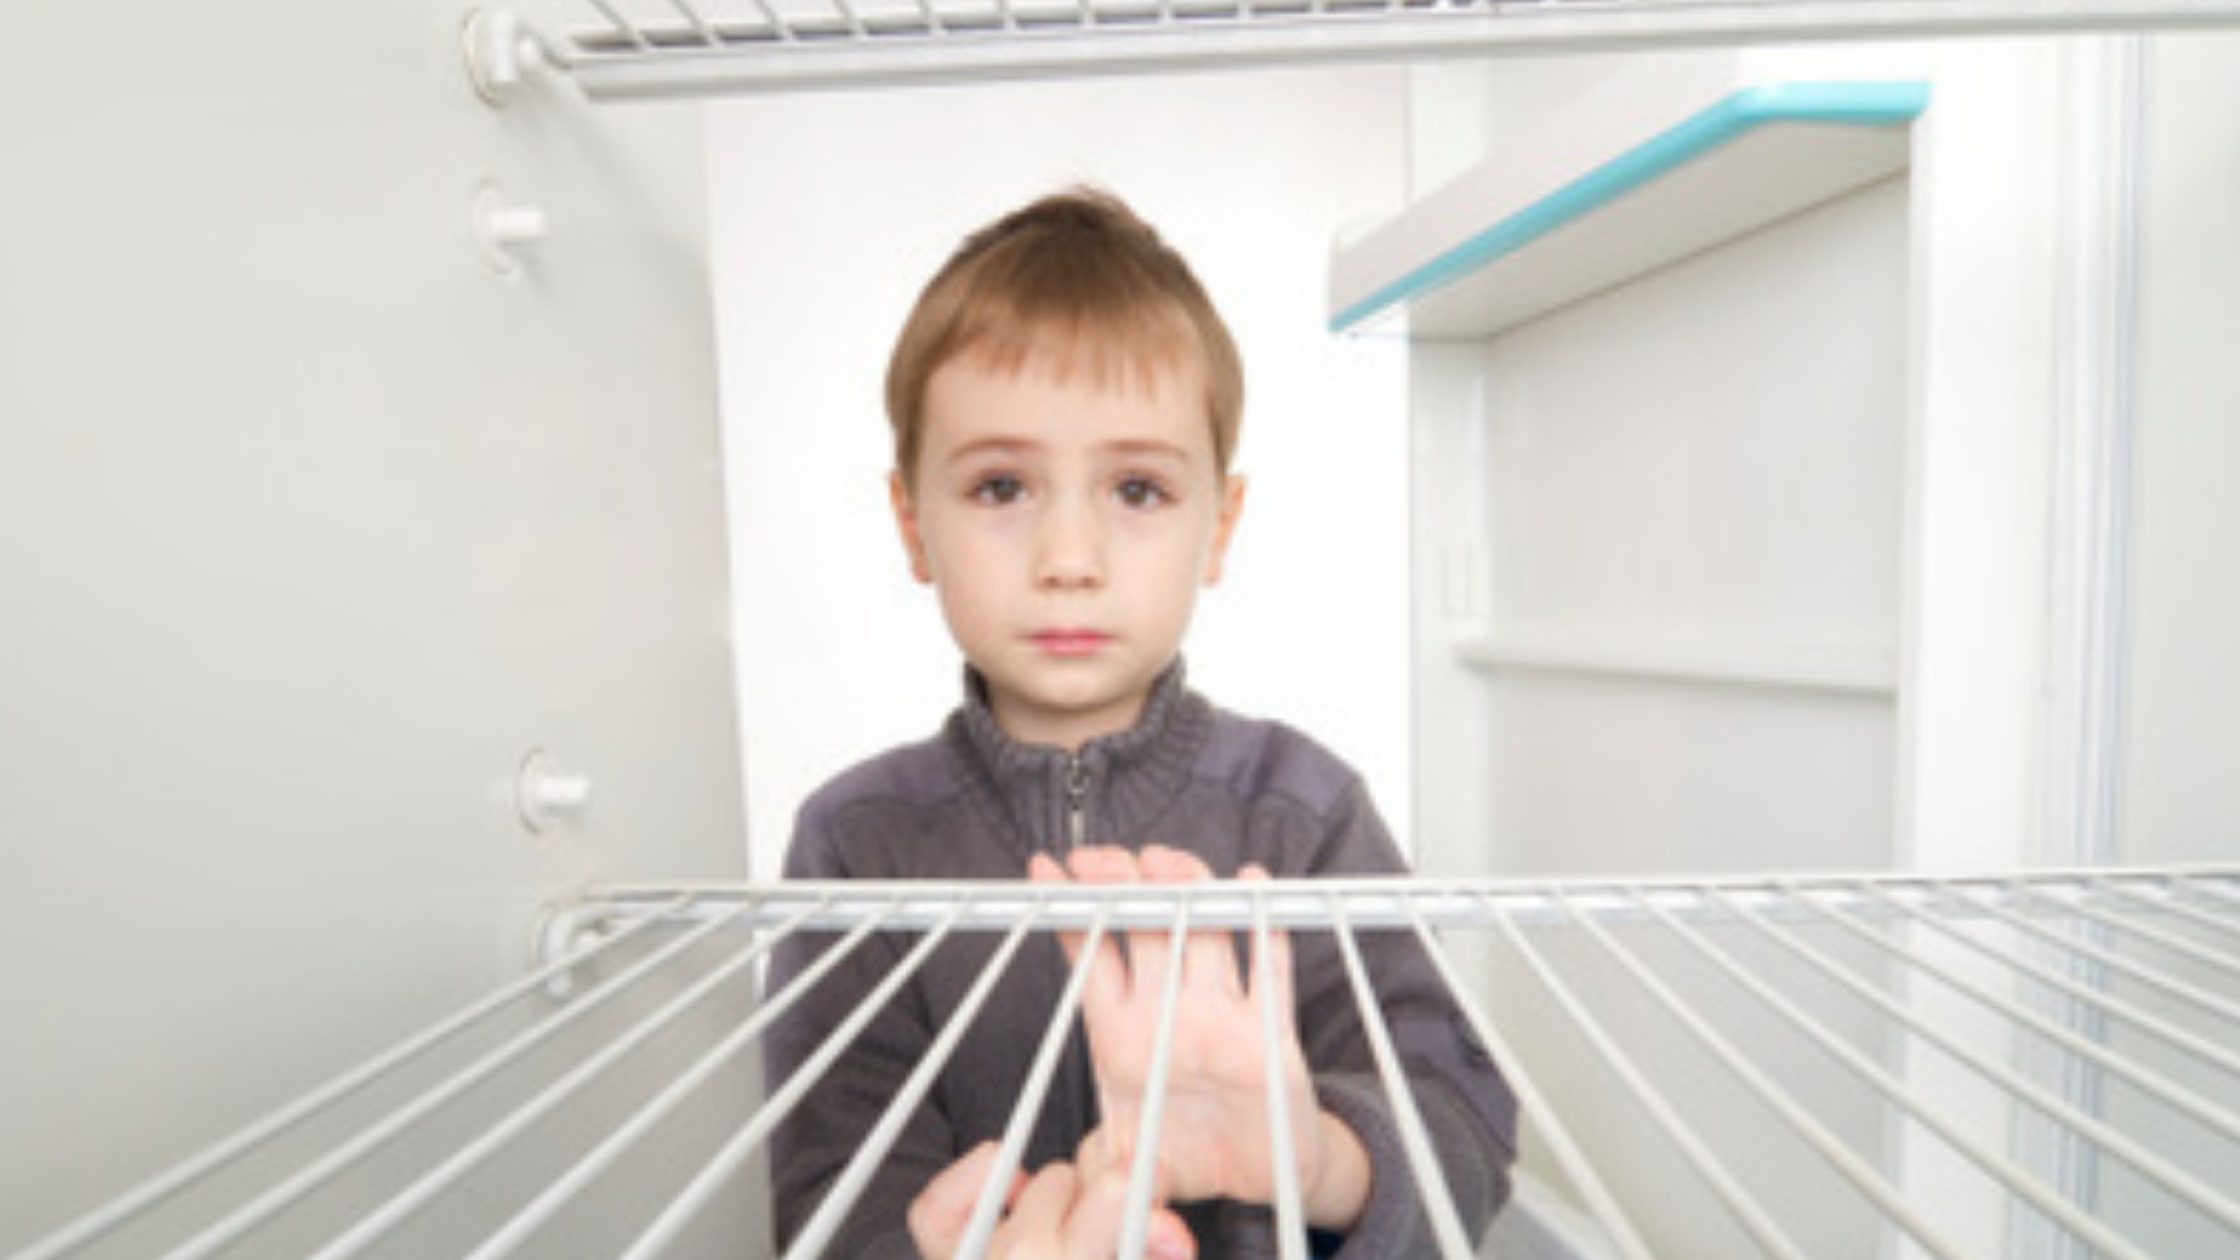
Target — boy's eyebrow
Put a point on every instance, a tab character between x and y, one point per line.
992	446
1149	446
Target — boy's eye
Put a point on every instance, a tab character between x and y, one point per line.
998	489
1141	492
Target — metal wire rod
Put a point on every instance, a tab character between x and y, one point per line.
2214	892
1999	1166
2133	928
2199	1047
555	1196
2152	977
983	1222
848	14
778	25
1431	1179
1291	1225
623	26
1136	1215
1784	1104
849	1186
2156	1168
446	1174
708	36
2171	904
702	1188
1534	1104
1736	1200
2184	1101
321	1171
155	1190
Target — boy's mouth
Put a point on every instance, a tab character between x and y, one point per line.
1069	642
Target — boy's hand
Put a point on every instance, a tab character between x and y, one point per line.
1213	1129
1063	1212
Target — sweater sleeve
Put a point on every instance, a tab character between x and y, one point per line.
813	1143
1467	1107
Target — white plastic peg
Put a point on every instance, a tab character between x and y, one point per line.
546	797
503	228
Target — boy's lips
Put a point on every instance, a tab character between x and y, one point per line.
1069	641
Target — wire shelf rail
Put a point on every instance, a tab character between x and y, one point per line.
616	49
2017	986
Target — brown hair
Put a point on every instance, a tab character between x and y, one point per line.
1076	276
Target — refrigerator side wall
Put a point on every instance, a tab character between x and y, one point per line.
312	528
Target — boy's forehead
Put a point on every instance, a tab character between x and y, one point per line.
977	392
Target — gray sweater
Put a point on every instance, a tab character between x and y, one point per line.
972	803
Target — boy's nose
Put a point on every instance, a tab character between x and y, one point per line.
1069	551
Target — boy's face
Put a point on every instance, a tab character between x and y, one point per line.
1067	525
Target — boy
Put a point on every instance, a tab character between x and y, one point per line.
1065	403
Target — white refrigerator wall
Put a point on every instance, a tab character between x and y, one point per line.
2181	801
830	211
311	528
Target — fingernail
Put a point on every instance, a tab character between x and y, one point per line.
1167	1249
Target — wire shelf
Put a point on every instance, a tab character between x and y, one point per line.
2070	1041
651	48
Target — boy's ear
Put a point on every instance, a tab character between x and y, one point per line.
906	522
1224	525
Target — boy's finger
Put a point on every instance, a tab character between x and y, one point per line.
1104	995
1278	961
1099	1215
1209	960
1144	956
1038	1214
1044	869
938	1216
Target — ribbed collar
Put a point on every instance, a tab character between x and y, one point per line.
1132	776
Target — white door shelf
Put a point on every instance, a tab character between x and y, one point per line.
1841	669
1475	257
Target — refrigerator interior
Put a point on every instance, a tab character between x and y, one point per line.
376	569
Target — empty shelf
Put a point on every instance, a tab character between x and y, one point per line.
1473	259
639	48
2126	981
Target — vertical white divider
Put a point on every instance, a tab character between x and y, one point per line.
849	1186
1431	1179
702	1188
1533	1103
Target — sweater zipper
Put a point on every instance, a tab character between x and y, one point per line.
1077	801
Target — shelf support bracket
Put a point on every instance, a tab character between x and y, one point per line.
500	51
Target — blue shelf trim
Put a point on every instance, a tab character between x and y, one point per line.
1889	104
